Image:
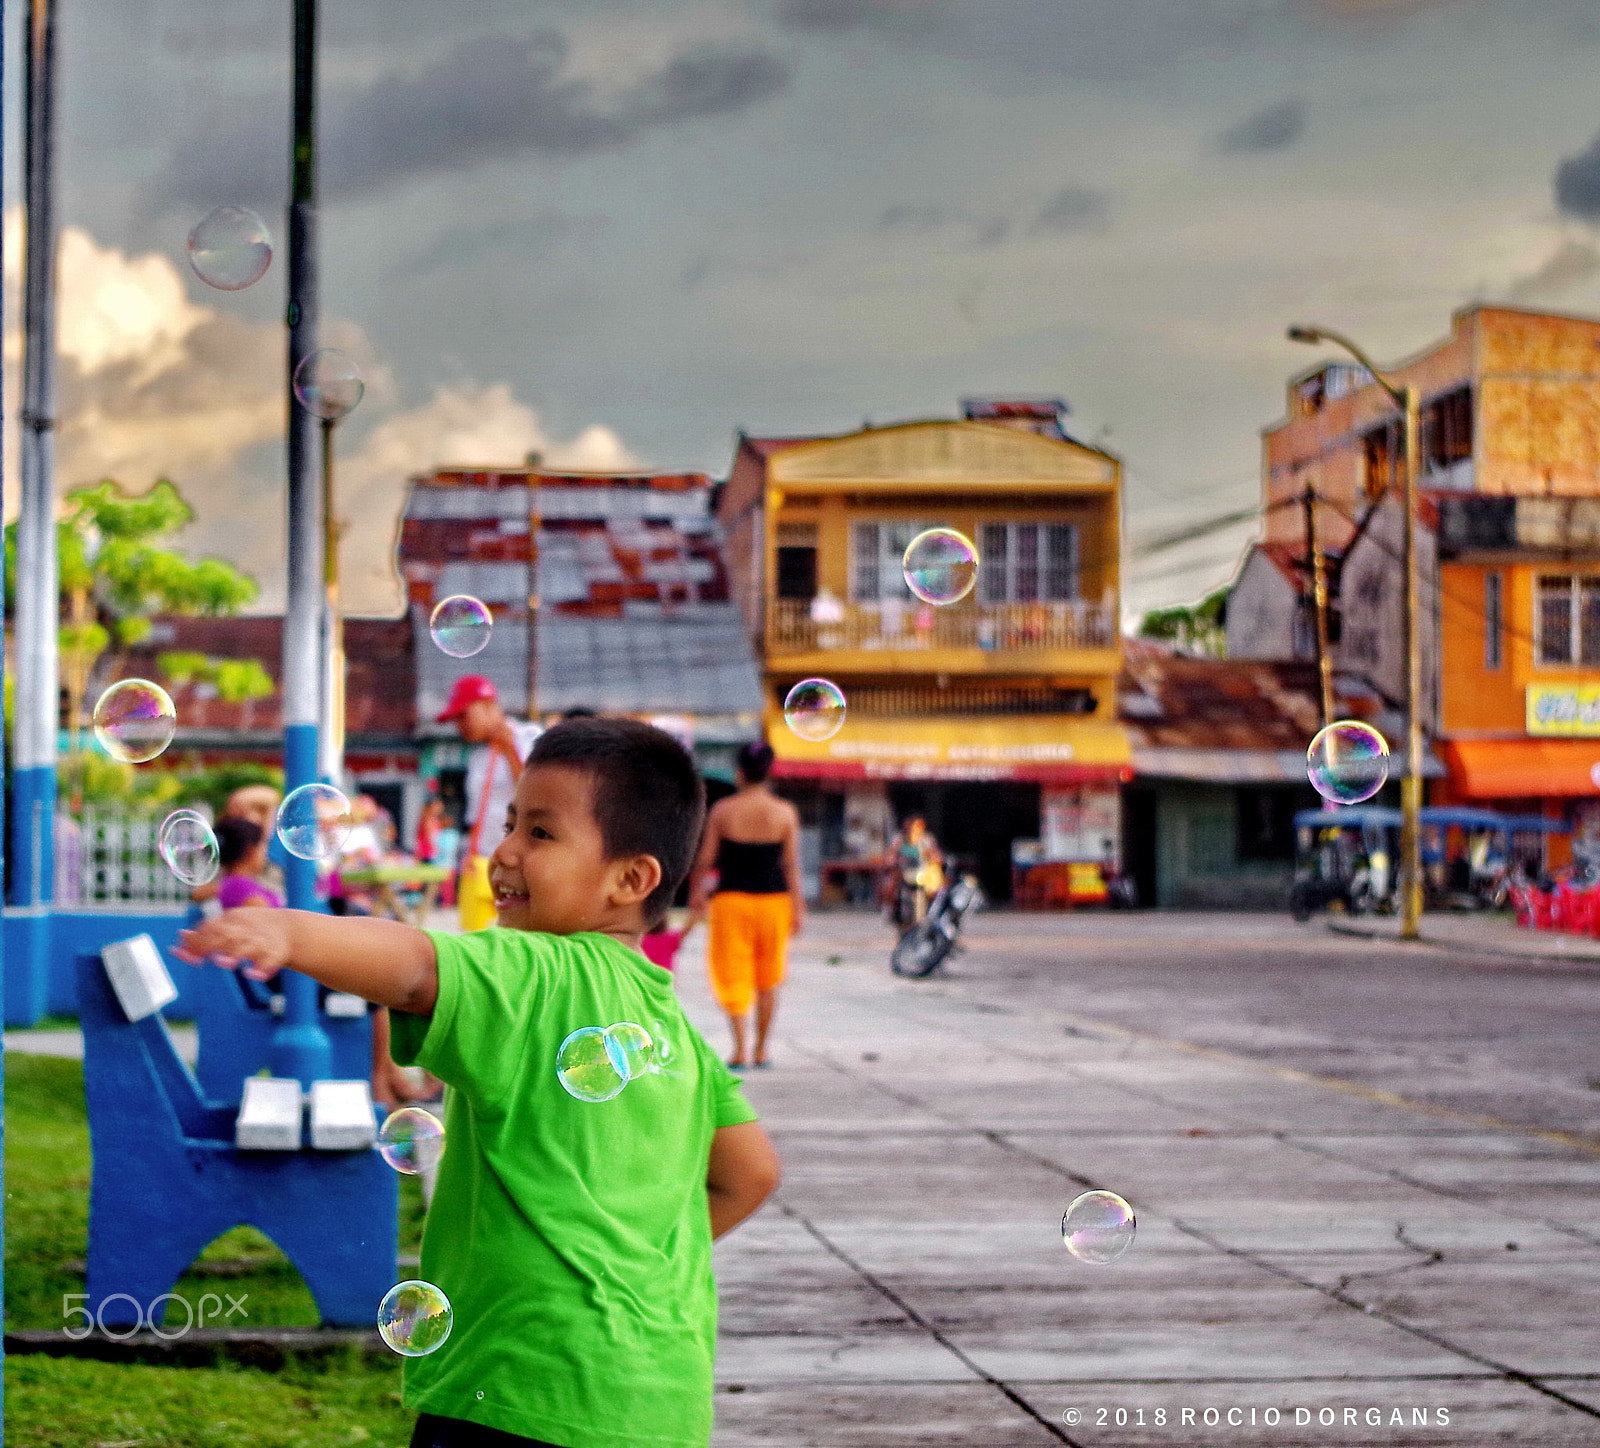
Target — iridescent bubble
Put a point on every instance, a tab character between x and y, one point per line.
189	847
585	1068
941	565
1098	1227
230	248
134	720
461	625
628	1048
414	1318
814	709
1348	761
328	383
411	1140
314	821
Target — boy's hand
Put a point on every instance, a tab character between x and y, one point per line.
253	936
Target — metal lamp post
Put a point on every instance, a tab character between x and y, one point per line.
1411	784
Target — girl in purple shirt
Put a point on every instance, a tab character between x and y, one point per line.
242	853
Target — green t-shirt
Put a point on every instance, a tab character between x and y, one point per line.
572	1238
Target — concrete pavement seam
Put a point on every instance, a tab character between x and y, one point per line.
1368	1309
879	1286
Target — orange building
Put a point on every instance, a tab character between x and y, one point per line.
995	717
1509	549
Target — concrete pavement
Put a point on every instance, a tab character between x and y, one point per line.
1316	1263
1482	933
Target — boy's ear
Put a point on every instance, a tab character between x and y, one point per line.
635	879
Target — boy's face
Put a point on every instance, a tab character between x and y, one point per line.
550	872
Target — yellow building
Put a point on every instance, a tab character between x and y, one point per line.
995	717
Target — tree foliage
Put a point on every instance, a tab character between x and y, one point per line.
117	573
1195	629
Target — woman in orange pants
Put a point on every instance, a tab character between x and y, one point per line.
752	843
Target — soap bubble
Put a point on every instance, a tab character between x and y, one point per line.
230	248
814	709
134	720
585	1068
460	625
414	1318
628	1049
328	383
940	565
1348	762
188	846
411	1140
1098	1227
314	821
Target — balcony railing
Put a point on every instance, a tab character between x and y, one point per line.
991	627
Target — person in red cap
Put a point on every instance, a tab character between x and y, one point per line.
500	745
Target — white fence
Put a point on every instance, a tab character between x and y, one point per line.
105	858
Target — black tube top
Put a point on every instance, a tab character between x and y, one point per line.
751	869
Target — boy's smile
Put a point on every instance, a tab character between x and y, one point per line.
550	872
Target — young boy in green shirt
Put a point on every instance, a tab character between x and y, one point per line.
573	1238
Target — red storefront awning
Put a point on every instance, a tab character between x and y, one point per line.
1523	768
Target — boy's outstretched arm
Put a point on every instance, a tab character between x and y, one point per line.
380	960
742	1174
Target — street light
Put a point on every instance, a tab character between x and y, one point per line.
1411	784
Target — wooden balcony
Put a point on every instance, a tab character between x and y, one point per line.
966	636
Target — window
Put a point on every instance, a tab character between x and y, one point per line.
1028	562
1380	456
1569	619
797	561
1447	430
1493	619
876	551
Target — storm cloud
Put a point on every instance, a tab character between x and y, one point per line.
1578	183
1272	128
489	99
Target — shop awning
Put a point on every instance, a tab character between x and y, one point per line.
1523	768
1248	766
1051	749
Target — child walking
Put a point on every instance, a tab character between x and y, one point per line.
573	1238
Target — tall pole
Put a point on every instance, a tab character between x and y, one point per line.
37	707
333	696
1319	606
300	1046
1411	785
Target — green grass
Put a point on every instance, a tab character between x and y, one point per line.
70	1401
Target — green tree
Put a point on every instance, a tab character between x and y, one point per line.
117	572
1196	629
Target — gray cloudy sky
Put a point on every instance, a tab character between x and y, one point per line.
622	230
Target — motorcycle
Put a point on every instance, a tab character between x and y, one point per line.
933	939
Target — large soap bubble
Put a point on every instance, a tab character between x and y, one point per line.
941	565
585	1067
461	625
1098	1227
329	383
411	1140
415	1318
314	821
189	846
1348	761
230	248
134	720
814	709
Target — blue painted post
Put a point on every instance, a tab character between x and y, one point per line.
300	1046
36	708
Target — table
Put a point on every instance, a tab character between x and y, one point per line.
387	880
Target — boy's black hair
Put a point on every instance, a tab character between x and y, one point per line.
754	760
648	798
235	839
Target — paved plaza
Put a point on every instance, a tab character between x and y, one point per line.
1366	1179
